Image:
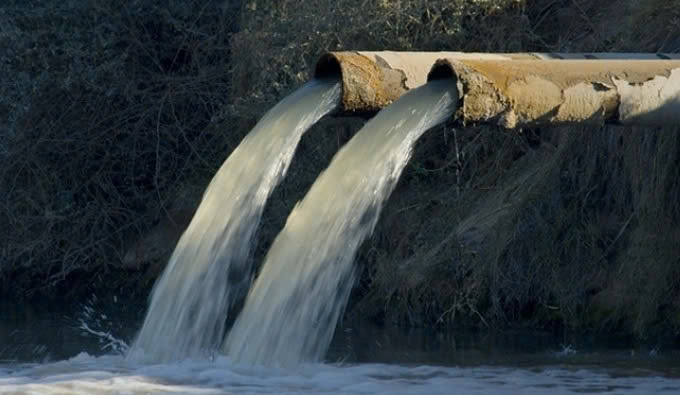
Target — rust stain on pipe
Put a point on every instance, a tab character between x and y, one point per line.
522	92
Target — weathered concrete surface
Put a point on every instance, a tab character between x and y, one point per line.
520	92
373	80
606	55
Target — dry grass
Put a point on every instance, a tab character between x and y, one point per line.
562	233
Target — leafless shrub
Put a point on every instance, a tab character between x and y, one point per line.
119	109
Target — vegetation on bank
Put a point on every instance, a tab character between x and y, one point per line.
117	117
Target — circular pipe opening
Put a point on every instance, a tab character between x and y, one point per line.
440	71
328	67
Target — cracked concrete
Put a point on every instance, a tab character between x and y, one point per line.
516	93
373	80
519	89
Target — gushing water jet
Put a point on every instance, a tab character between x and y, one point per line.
292	310
211	266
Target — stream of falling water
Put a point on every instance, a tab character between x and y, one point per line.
211	266
291	312
299	296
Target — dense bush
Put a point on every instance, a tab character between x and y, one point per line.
111	112
117	117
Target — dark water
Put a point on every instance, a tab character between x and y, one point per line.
77	348
511	348
48	331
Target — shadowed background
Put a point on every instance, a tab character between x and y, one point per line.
117	114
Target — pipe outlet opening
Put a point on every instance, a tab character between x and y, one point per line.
440	70
328	66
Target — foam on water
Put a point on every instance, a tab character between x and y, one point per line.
291	312
85	374
211	266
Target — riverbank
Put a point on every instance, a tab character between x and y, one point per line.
104	163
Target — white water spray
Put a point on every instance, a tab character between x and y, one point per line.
291	312
210	266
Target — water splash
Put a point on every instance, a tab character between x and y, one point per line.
210	266
92	322
292	310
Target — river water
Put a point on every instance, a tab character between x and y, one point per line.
48	349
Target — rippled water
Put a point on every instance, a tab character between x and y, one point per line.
85	374
44	349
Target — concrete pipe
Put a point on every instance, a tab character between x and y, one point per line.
606	56
519	93
373	80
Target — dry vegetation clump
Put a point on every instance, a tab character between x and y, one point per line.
112	113
280	41
577	228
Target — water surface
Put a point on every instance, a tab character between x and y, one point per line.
56	348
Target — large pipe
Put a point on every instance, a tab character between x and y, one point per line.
373	80
606	56
519	93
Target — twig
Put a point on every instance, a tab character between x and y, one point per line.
618	236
